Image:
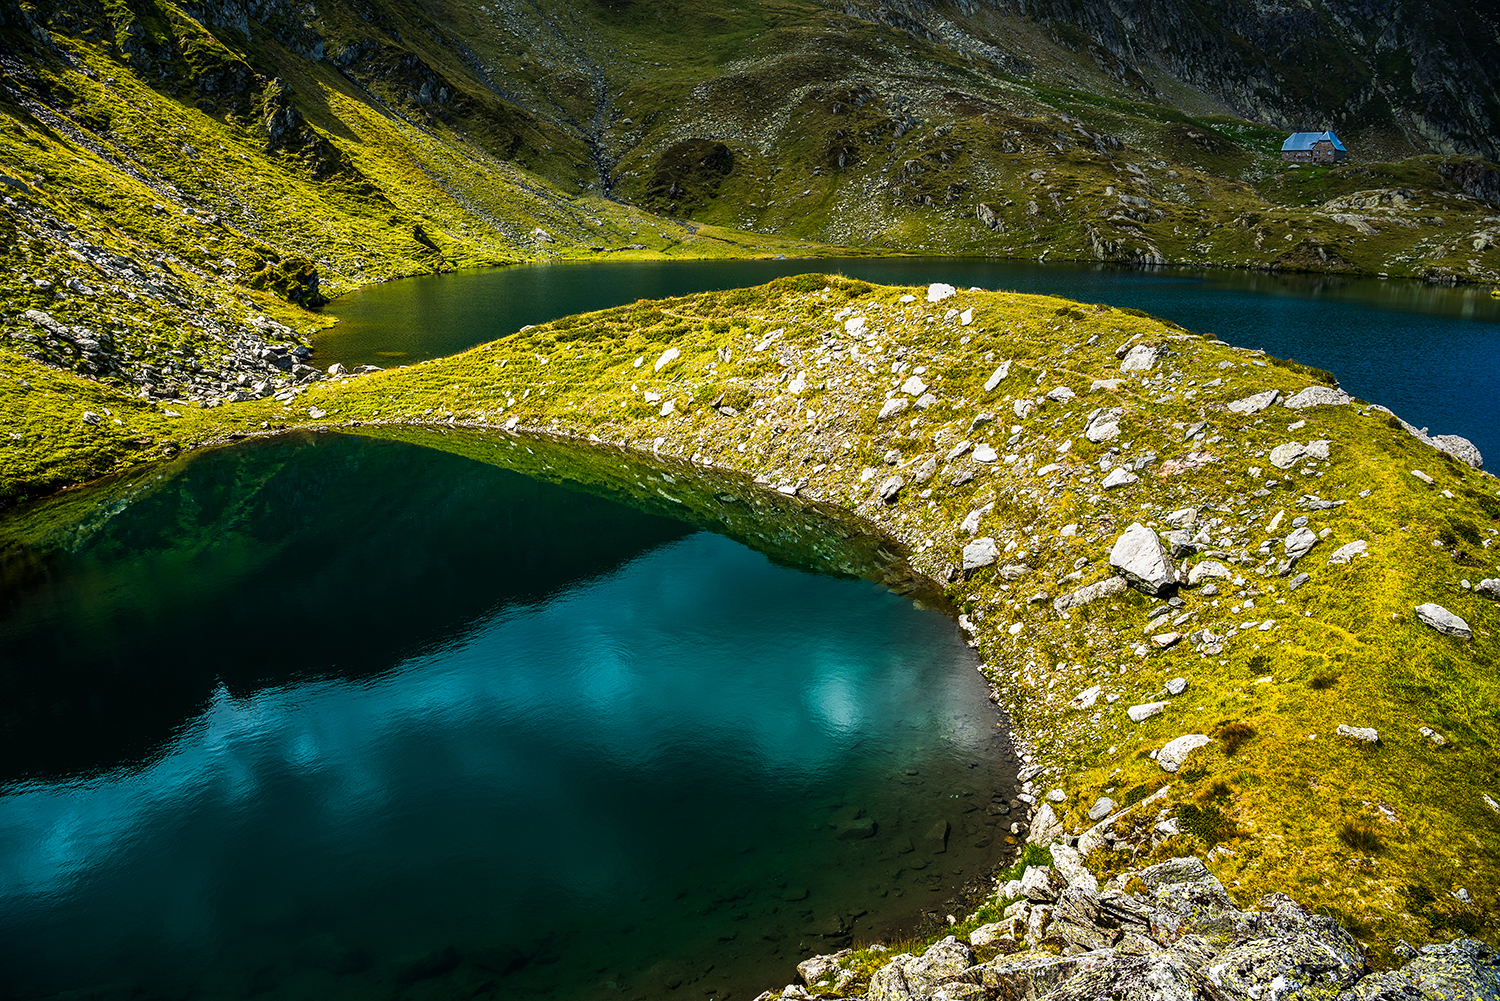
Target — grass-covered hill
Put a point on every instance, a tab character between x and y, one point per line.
1007	442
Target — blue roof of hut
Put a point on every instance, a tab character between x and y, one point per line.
1303	141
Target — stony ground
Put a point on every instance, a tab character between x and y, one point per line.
1199	578
1168	932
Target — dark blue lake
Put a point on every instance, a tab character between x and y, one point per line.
1430	353
332	717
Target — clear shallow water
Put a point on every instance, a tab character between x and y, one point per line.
330	717
1431	354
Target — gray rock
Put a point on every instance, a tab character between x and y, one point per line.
1140	558
1460	448
926	470
1181	543
1037	920
1039	884
1465	968
1299	543
980	553
1141	358
1314	958
1045	826
1103	807
1347	552
815	969
1206	569
1014	571
890	489
1255	404
1145	711
1028	976
889	982
1171	757
1288	455
943	961
893	407
1187	869
936	840
1316	396
1069	865
1107	588
1082	934
1138	978
1086	698
1104	425
1176	686
997	377
1119	477
1062	394
1198	908
1362	734
1489	588
998	936
1444	621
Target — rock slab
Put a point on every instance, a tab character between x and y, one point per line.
1444	621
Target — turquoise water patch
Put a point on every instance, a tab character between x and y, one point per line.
326	716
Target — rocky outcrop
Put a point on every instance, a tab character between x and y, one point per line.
1169	932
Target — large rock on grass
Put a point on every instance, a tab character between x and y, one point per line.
1444	621
1139	556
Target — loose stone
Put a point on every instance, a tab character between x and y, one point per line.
1347	552
1316	396
1171	757
1141	358
1444	621
1141	713
980	553
1363	734
1256	403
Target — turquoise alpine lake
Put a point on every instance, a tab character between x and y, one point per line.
324	716
1430	353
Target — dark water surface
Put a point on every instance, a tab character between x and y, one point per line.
1431	354
328	717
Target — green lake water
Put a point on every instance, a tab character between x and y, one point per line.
332	717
